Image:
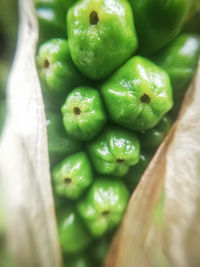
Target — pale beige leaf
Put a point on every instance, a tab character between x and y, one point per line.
182	186
24	165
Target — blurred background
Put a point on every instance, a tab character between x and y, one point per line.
8	37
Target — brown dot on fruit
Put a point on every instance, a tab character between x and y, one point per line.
105	213
145	99
46	64
67	180
120	160
93	18
77	111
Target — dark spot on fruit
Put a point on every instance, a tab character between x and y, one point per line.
93	18
105	213
67	180
46	64
120	160
77	111
145	99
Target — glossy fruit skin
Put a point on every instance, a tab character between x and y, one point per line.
138	94
56	69
114	151
51	17
158	22
179	59
71	229
103	206
153	138
101	36
60	144
73	175
83	113
135	173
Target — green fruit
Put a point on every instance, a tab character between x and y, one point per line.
83	113
101	36
179	59
56	69
135	173
158	22
73	175
103	206
153	138
138	94
51	17
114	151
59	143
73	235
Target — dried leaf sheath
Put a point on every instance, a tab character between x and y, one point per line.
24	166
176	242
182	185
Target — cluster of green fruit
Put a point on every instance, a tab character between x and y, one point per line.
107	105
